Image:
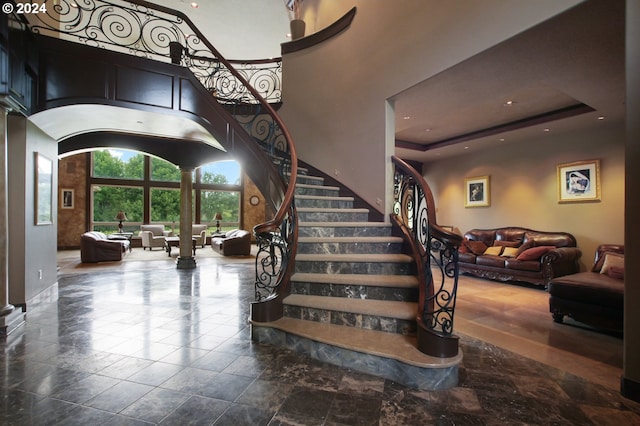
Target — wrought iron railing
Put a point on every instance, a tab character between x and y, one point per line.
146	30
436	252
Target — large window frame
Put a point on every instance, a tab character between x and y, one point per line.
147	184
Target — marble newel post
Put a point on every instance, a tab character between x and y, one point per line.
186	260
10	318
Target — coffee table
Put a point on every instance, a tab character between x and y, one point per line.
170	242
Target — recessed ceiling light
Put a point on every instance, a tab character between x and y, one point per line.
509	103
427	130
406	117
194	5
602	117
547	130
501	139
466	147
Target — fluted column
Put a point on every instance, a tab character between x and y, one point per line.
186	260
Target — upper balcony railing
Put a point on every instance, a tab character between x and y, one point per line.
245	88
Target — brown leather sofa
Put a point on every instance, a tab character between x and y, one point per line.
594	297
96	247
518	254
236	242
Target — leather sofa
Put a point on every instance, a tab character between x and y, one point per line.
96	247
518	254
594	297
234	242
153	236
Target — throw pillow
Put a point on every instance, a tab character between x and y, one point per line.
616	272
510	252
494	250
463	248
598	265
534	252
504	243
611	259
476	247
524	247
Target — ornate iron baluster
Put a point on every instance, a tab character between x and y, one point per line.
436	251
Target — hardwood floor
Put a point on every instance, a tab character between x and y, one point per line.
517	318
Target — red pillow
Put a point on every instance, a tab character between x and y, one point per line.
534	252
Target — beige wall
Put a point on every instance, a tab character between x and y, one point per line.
524	187
335	93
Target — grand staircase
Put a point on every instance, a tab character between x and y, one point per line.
353	298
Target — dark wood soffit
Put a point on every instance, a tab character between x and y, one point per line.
318	37
546	117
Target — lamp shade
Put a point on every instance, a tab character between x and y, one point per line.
218	216
121	215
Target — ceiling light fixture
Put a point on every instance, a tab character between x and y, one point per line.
547	130
427	130
509	103
602	117
194	5
406	117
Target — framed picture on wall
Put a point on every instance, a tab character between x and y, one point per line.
66	198
476	191
43	194
579	181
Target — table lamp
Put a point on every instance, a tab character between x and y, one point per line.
121	216
218	218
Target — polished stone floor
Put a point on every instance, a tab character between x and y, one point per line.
137	343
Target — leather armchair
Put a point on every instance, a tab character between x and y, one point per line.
199	233
153	236
95	247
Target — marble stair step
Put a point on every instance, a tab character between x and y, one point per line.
320	245
309	180
371	307
324	201
307	189
310	214
355	258
393	281
388	345
343	229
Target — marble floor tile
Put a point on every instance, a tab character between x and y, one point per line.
141	343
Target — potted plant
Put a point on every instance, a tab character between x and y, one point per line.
296	23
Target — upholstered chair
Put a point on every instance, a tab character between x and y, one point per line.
153	236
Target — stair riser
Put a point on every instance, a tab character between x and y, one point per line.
324	204
389	325
309	180
333	216
327	192
329	267
402	294
349	248
343	231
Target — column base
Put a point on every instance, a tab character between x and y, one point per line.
186	262
10	322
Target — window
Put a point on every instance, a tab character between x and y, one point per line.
147	189
108	200
118	164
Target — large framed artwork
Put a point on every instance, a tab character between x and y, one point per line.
579	181
477	191
43	189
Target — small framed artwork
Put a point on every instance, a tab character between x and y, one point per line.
66	195
476	191
579	181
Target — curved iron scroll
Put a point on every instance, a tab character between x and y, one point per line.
436	252
147	30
